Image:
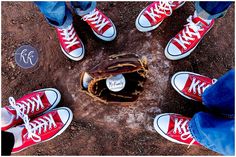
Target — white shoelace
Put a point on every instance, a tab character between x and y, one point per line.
187	35
183	130
25	107
70	36
45	123
162	8
198	86
96	18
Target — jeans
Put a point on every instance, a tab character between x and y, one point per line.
211	10
215	130
7	143
58	14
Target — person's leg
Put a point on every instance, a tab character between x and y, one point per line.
220	96
56	13
83	8
215	133
211	10
7	143
100	24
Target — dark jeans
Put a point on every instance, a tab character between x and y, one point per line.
7	143
211	10
215	130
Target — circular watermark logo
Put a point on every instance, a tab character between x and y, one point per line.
26	56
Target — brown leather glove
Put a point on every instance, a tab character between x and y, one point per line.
134	70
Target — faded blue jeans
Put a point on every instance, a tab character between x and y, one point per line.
215	130
59	15
211	10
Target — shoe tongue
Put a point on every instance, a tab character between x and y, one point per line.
199	20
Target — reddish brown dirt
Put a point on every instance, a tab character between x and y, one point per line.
98	129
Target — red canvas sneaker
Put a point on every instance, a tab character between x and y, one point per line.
70	43
153	15
31	104
101	25
174	127
191	85
41	129
187	40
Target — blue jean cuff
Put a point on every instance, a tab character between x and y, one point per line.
207	104
80	12
67	23
193	128
205	15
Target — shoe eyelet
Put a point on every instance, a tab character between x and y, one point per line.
180	132
37	109
50	128
43	107
39	133
55	126
174	132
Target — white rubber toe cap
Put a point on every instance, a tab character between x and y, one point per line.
173	50
65	115
77	53
110	32
52	96
179	80
162	123
143	21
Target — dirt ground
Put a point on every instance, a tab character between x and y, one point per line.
99	129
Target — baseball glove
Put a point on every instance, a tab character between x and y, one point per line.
134	70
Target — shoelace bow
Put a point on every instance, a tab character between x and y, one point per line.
198	86
45	123
162	8
183	130
23	108
96	19
70	36
192	29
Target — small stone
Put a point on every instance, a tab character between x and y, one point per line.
72	128
12	64
13	21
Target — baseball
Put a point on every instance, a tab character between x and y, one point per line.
116	83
